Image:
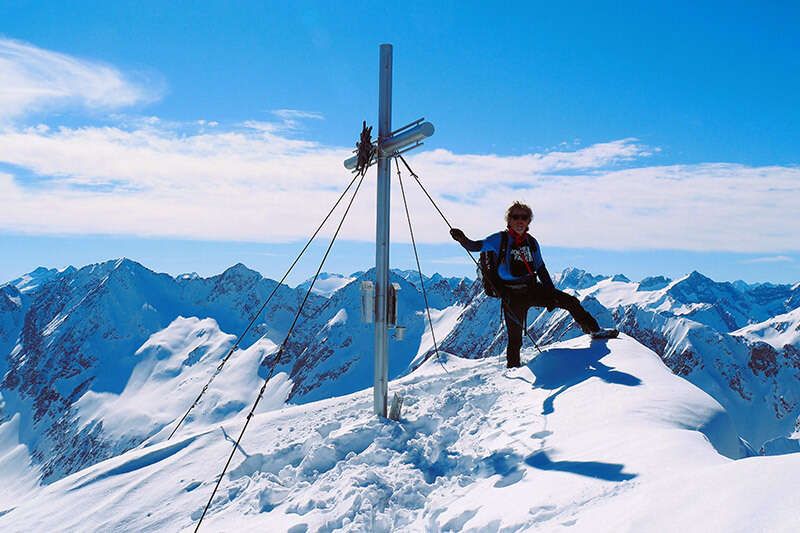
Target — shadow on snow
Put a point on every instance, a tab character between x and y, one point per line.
558	370
562	368
605	471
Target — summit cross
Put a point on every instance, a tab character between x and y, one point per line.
389	145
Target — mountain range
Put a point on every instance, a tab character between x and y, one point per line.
105	358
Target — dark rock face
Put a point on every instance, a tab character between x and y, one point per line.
763	359
631	323
792	356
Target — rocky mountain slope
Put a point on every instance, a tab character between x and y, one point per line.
79	331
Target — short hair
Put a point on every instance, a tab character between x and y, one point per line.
519	206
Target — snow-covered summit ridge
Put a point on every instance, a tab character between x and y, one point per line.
588	437
173	365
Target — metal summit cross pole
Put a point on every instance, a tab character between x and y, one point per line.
389	144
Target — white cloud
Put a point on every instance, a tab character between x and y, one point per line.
291	120
293	114
34	79
769	259
155	179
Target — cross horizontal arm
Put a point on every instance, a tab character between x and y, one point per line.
394	144
406	138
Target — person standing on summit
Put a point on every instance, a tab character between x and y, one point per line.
519	276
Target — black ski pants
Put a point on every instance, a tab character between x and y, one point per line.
515	311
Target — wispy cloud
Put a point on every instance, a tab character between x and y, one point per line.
295	114
291	120
769	259
34	79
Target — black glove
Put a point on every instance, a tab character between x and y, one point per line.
458	235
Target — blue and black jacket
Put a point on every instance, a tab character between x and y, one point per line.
512	269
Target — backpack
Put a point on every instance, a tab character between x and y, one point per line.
489	264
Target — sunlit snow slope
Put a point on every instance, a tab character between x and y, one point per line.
589	437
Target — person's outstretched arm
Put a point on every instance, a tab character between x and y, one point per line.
472	246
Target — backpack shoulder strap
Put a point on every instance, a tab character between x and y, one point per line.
532	243
503	246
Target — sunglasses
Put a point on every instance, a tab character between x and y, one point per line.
518	216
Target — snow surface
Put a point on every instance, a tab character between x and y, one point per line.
590	436
173	365
19	478
444	320
778	331
327	283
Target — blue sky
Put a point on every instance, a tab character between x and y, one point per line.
649	138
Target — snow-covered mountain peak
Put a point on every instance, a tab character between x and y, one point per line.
124	262
30	281
778	331
240	270
120	263
171	368
409	275
697	288
236	279
97	272
653	283
327	283
694	279
575	278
